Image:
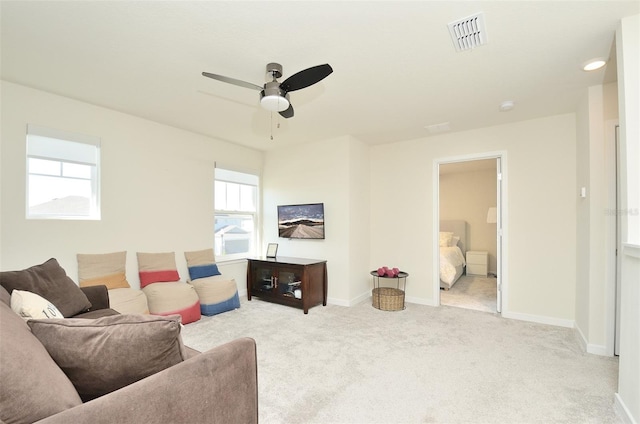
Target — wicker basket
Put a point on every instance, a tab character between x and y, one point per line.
388	299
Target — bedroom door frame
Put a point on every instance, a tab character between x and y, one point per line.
613	240
501	225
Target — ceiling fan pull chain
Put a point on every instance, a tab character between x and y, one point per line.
271	125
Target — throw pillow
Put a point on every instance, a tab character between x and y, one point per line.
32	386
107	269
105	354
50	281
201	264
445	238
157	268
31	306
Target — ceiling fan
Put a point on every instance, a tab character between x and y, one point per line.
274	95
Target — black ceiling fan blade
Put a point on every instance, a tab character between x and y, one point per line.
306	78
288	112
232	81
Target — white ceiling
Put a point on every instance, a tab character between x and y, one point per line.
395	66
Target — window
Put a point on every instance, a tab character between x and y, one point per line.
236	214
62	175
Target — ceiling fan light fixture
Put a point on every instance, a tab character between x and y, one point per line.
274	103
273	98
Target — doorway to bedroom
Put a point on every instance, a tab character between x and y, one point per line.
469	205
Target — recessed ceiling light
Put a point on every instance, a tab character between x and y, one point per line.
507	105
594	64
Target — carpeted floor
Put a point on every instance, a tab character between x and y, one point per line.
471	292
420	365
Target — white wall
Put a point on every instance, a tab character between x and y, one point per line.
628	53
595	287
156	185
360	229
541	276
333	172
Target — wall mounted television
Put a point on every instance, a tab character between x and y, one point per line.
301	221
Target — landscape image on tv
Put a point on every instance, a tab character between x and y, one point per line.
301	221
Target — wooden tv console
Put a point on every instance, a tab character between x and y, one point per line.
297	282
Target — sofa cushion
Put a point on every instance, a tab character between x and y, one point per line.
5	297
32	385
157	268
201	264
32	306
107	269
50	281
105	354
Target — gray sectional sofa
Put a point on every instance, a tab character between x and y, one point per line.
102	367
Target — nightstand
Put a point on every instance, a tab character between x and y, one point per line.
477	263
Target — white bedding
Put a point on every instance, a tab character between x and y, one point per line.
451	264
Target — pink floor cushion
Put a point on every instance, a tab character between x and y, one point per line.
157	268
171	298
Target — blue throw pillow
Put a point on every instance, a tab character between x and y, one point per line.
203	271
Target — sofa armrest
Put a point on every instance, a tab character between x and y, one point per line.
218	386
98	296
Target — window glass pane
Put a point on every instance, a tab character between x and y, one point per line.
74	170
42	166
247	198
59	196
233	234
220	195
233	197
236	199
62	174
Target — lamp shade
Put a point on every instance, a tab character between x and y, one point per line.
492	215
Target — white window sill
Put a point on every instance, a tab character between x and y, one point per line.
630	249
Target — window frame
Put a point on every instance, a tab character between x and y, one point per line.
36	148
225	175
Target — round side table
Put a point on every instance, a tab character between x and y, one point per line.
389	298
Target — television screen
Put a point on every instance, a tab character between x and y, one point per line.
301	221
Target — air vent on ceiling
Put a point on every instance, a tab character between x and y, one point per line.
468	33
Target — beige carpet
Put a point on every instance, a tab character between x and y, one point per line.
420	365
471	292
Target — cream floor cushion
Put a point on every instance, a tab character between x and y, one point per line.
128	301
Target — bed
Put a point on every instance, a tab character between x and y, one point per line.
453	243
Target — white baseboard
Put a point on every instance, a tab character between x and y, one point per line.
341	302
581	338
366	297
540	319
598	350
338	302
622	411
420	301
589	347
